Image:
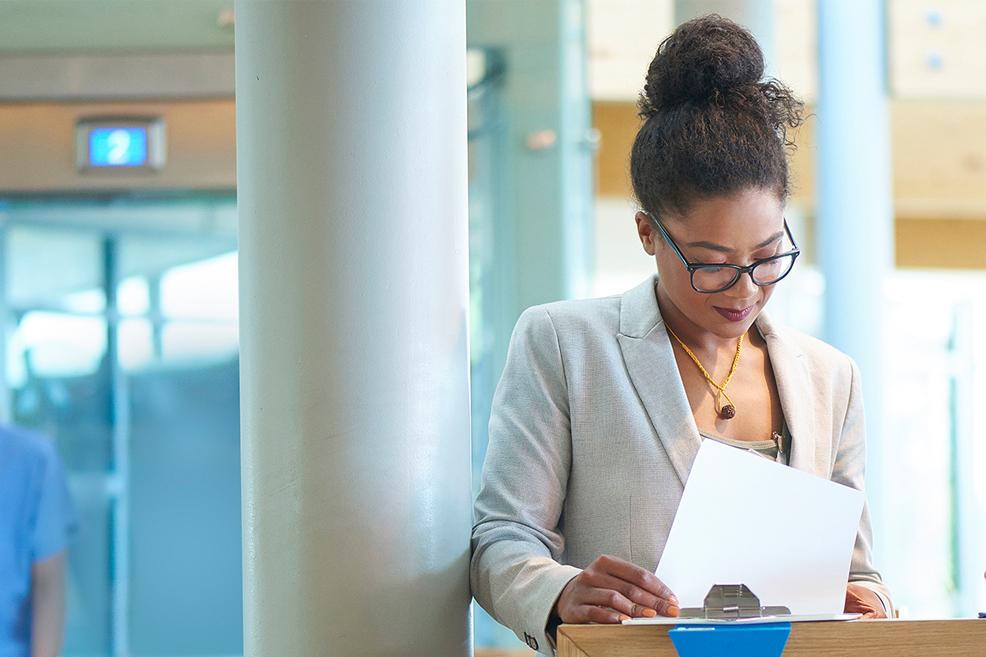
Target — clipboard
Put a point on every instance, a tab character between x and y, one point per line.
732	622
736	604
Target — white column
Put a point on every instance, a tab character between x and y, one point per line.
352	178
855	199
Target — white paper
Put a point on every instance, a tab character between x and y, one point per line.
744	519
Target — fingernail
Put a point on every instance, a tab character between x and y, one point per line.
673	600
624	617
648	613
673	611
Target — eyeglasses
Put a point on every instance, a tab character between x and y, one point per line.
709	279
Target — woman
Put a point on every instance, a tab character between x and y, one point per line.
603	403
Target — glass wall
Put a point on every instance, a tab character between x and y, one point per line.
934	449
121	345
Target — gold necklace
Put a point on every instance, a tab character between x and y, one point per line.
728	411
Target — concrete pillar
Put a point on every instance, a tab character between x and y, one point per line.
352	178
855	199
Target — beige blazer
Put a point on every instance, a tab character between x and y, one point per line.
592	439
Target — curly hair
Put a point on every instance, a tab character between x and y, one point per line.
712	124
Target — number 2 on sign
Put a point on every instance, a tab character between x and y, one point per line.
119	143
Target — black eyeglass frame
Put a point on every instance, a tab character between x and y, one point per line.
693	267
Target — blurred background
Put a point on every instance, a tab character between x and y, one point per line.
118	284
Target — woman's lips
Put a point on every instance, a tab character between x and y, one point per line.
734	315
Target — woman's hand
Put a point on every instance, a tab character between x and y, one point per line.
861	600
611	590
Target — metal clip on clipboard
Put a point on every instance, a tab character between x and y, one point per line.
732	601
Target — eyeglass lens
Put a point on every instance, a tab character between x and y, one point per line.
714	279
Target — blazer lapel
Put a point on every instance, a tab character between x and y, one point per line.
794	387
653	371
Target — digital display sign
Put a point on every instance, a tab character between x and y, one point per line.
117	147
120	144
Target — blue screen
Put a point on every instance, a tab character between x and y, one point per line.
117	147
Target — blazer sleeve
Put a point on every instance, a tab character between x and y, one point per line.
850	469
516	540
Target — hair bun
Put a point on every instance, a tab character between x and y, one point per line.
701	60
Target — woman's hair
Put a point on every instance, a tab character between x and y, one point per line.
712	125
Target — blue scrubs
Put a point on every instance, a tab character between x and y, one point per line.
37	520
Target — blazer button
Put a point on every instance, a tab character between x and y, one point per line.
530	641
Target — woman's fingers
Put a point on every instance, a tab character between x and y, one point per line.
610	599
636	584
636	575
861	600
582	603
594	614
643	599
610	590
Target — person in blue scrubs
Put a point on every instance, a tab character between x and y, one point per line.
37	520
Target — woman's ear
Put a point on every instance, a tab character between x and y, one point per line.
645	231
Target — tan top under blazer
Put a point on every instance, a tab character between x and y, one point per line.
592	439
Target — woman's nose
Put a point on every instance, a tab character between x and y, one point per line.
744	288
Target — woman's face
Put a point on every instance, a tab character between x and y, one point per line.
737	229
